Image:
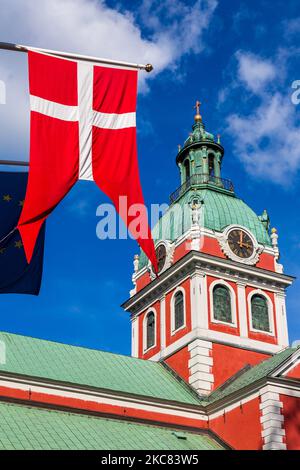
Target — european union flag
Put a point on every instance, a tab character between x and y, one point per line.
16	276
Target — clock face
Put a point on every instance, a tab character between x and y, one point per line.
240	243
161	254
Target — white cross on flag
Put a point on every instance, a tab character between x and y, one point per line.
83	126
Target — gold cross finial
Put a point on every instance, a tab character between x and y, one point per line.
198	116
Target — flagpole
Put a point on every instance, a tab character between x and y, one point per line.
14	163
68	55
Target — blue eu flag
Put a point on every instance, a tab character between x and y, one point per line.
16	276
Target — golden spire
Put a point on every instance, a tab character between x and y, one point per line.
198	116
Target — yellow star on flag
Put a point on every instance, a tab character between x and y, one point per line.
7	198
21	203
18	244
2	250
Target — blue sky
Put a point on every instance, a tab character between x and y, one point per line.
240	59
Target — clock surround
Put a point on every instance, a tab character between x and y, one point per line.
253	248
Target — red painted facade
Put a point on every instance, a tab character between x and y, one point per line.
211	246
241	427
178	362
98	408
228	360
291	413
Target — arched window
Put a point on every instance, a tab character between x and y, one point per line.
211	164
150	330
187	169
222	304
260	313
178	310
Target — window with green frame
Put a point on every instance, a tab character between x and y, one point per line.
260	313
150	326
222	303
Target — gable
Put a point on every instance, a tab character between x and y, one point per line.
290	368
294	371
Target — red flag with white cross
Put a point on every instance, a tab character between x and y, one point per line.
83	126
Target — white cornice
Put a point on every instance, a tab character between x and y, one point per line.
201	412
105	397
220	338
208	264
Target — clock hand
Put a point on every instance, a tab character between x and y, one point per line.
246	245
241	239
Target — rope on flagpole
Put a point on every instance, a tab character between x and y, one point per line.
7	236
12	163
68	55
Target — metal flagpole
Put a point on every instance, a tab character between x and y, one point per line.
21	48
14	163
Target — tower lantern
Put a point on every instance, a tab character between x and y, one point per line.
200	158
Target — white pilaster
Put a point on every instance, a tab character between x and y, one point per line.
163	322
200	366
135	337
272	420
242	309
203	302
281	321
195	300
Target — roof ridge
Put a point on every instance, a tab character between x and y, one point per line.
180	380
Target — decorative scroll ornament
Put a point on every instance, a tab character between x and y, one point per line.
169	257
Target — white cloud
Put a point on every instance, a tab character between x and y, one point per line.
267	140
91	27
254	71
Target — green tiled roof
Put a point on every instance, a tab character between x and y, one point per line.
76	365
23	427
218	210
264	369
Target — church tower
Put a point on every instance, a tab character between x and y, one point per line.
218	303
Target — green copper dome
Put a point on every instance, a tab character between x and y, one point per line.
217	211
199	162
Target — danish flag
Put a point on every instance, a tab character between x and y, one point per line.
83	126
